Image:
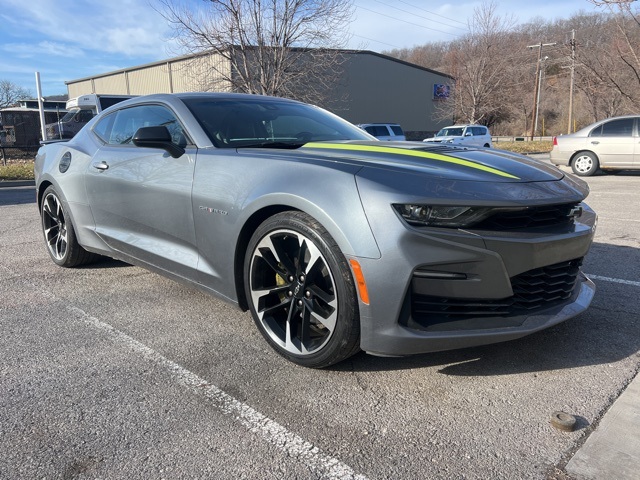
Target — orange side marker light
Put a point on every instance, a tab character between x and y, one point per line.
362	285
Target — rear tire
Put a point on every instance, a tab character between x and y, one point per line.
300	291
585	164
59	235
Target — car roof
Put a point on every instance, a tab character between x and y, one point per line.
378	123
465	125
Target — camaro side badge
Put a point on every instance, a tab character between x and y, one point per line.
214	210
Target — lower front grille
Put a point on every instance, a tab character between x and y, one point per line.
535	290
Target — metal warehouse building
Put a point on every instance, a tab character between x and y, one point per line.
376	88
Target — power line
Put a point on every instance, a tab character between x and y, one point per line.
433	13
377	41
420	16
405	21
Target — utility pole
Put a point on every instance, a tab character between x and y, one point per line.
536	93
572	43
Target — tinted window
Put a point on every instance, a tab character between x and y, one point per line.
377	130
479	130
397	130
233	122
618	128
127	121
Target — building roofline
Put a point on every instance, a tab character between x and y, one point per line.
194	55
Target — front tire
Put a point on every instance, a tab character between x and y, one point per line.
59	235
300	291
585	164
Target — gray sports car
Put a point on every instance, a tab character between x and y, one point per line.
333	240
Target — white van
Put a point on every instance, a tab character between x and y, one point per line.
464	135
79	111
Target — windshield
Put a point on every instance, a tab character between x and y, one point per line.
450	132
69	115
261	122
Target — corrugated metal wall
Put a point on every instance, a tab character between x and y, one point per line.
81	87
370	88
114	84
193	74
156	79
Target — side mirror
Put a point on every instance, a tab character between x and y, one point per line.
468	134
157	137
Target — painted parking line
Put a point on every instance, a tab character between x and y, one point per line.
614	280
292	445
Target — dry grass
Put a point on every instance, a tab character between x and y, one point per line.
16	170
535	146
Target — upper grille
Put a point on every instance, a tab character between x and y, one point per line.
530	217
536	289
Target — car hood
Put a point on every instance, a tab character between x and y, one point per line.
469	164
443	138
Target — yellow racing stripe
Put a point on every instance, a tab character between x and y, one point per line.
410	153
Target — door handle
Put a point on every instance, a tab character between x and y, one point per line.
595	142
101	166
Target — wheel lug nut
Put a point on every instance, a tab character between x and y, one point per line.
290	293
307	294
291	278
299	303
301	278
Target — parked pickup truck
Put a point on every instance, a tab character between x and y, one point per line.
79	111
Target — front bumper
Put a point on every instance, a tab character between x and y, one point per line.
442	289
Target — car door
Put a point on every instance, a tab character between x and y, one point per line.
141	197
614	142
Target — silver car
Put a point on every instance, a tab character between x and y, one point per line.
612	144
334	241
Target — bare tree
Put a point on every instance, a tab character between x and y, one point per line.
616	61
270	47
10	93
481	62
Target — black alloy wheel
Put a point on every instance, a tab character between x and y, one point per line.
59	234
300	291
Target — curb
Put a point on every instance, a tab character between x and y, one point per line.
17	183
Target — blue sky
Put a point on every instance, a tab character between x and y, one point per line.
71	39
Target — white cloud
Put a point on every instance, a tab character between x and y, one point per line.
30	50
126	27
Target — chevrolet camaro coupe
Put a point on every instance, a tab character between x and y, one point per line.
335	242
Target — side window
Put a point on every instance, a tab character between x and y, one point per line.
397	130
479	131
128	120
377	130
618	128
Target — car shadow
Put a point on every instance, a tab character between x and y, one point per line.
607	332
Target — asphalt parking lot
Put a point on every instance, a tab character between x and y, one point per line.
110	371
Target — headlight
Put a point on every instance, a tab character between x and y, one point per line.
443	216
